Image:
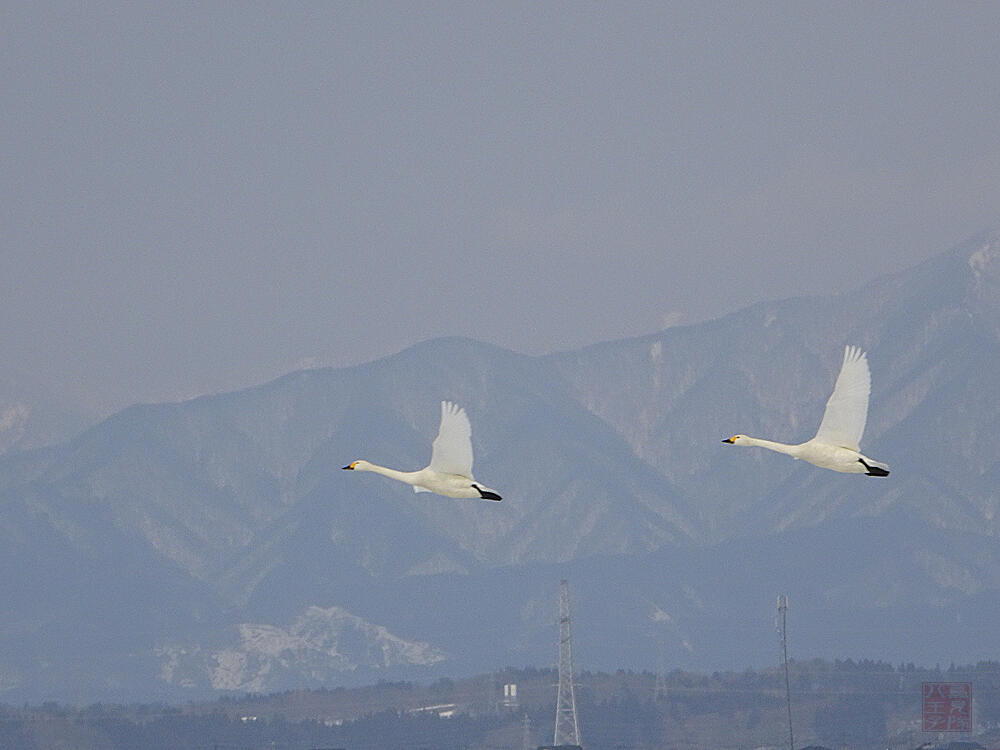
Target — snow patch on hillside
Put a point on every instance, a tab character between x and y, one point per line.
318	645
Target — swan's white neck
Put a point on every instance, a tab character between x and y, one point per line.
791	450
403	476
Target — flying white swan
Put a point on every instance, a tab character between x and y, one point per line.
836	444
450	470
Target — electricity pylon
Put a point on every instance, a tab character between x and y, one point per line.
567	730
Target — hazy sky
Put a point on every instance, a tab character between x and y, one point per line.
200	196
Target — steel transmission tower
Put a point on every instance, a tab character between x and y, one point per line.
783	631
660	686
567	729
526	733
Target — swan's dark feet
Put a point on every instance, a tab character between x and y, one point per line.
486	494
873	471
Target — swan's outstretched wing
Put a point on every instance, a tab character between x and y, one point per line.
452	451
847	410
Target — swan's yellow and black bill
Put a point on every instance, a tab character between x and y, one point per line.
729	440
349	466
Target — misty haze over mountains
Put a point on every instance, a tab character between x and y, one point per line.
215	544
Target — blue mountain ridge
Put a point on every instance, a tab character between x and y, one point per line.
133	553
